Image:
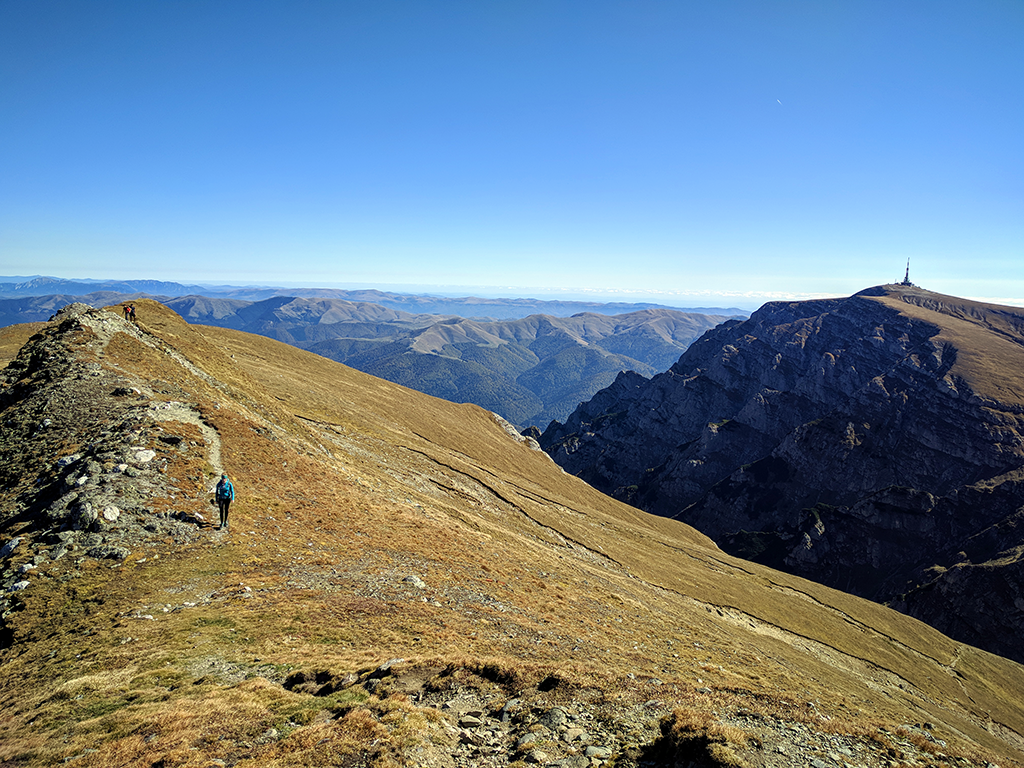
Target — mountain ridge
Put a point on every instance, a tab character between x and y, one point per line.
815	434
531	369
496	308
405	581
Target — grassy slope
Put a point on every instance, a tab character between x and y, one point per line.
13	338
988	339
348	484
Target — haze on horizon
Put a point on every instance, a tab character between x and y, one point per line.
691	154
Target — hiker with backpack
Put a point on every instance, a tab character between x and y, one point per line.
225	494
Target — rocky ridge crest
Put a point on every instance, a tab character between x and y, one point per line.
93	495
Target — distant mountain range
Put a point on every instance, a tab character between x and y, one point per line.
873	443
530	370
464	306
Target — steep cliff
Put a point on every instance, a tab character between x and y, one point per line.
872	443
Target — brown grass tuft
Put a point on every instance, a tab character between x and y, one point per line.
693	736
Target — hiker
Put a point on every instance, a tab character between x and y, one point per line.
127	312
225	494
131	312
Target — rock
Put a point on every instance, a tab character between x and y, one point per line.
10	546
601	753
106	551
57	512
511	707
111	513
385	668
83	516
68	460
18	586
554	717
526	739
347	681
415	581
573	761
144	456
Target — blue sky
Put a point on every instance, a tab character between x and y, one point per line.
712	152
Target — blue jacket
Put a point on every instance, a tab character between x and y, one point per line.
225	490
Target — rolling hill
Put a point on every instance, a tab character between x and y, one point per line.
404	582
530	370
493	308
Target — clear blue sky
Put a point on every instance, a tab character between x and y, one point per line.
659	149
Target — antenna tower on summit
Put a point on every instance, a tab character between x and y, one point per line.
906	277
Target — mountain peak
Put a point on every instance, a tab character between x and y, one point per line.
873	443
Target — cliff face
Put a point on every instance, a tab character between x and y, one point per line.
871	443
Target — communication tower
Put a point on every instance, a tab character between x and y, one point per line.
906	277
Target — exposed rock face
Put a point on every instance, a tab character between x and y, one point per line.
873	443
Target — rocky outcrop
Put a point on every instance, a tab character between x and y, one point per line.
86	451
871	443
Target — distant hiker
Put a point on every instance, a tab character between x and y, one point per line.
131	312
127	312
225	494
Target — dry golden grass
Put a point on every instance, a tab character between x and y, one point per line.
347	485
13	338
694	737
986	336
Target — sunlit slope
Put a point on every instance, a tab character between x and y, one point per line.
374	523
466	439
13	337
987	337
